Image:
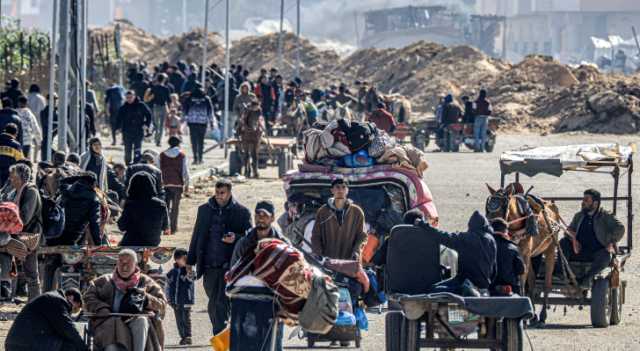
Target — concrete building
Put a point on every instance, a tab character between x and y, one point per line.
562	28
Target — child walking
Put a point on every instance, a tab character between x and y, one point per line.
181	294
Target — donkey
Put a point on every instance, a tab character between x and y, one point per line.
507	204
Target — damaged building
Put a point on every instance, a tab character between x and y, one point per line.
401	26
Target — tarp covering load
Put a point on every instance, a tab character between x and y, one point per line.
555	160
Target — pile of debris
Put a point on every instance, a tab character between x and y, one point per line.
258	52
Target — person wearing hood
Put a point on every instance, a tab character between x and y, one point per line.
267	95
93	161
10	151
338	232
146	163
9	115
81	210
220	223
175	173
144	216
134	117
476	255
13	92
510	265
198	112
243	101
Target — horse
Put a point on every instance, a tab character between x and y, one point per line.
508	204
342	111
294	119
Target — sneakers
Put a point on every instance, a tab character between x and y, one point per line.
186	341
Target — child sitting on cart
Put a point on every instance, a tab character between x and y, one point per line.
509	262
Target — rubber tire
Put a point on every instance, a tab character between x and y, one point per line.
615	298
282	163
235	163
513	335
600	304
310	342
490	144
410	335
393	330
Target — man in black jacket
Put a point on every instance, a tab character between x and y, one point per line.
476	255
220	223
46	324
133	118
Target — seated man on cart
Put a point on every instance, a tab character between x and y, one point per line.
127	307
593	235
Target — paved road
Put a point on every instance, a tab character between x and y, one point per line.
458	185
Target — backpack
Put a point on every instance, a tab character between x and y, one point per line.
10	221
52	218
320	312
358	134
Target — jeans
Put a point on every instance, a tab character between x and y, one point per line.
218	306
5	266
600	259
480	132
173	195
159	116
197	132
183	320
132	147
139	327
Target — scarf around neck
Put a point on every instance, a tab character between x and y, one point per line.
124	285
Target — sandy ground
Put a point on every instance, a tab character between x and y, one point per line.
458	185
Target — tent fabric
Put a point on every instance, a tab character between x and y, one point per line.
554	160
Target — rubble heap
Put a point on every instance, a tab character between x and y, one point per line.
259	52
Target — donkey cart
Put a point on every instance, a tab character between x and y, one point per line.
606	294
279	152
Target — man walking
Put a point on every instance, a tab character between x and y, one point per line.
113	99
219	224
339	229
175	173
133	118
480	124
159	96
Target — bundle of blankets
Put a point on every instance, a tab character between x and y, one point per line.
344	143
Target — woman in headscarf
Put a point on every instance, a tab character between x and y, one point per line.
94	161
145	216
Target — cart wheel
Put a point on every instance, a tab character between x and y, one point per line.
490	144
420	140
512	335
616	306
393	330
600	304
235	163
410	335
282	163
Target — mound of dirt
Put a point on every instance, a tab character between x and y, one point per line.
258	52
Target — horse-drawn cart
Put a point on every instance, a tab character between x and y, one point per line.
274	151
607	293
421	131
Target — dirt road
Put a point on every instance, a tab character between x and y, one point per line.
458	185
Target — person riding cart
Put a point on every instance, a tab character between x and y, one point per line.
593	235
250	130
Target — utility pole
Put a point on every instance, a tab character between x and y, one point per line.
63	74
227	63
52	74
204	43
298	44
184	16
83	15
280	44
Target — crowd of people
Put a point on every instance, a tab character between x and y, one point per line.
144	193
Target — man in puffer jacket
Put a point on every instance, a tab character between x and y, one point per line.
133	118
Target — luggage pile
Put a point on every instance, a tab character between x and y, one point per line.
303	293
353	144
